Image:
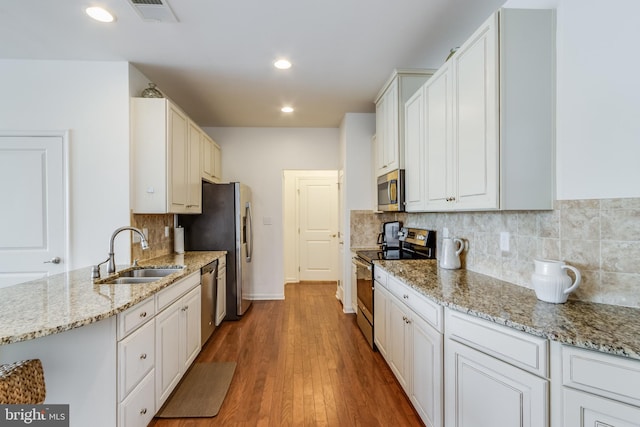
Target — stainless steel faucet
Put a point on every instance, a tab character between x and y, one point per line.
111	266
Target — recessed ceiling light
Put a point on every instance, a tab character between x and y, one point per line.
100	14
282	64
287	109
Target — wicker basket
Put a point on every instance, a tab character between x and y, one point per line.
22	382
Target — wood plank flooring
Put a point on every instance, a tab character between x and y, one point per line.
302	361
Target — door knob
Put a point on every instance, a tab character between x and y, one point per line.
54	260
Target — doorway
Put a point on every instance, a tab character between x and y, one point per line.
33	222
311	226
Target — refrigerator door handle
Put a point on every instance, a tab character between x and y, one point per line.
250	239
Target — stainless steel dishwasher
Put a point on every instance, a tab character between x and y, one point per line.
208	276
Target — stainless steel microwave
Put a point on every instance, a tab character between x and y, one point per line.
391	191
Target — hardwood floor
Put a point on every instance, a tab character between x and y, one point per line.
302	361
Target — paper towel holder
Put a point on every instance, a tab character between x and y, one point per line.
178	240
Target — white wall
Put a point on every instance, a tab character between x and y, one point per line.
91	100
598	129
356	130
258	157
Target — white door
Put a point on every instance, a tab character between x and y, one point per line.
318	216
33	232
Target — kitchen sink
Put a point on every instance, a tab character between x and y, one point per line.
149	272
131	280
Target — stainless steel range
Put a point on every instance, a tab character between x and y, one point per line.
414	243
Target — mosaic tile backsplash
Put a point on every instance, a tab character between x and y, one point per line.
159	244
600	237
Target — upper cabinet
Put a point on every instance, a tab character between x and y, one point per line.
488	123
165	165
390	118
211	159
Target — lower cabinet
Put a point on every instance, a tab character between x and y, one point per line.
412	347
177	342
155	350
221	293
598	390
482	391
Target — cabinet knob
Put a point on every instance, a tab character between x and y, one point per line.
185	308
405	296
143	411
143	356
143	314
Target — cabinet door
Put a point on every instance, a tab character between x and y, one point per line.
414	149
138	408
221	297
481	391
391	138
380	318
193	183
191	326
177	124
399	334
136	358
476	119
427	379
379	164
206	149
587	410
440	180
169	349
217	161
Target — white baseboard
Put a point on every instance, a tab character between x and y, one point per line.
265	297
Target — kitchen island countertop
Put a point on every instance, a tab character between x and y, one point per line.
606	328
69	300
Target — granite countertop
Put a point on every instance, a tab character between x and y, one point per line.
69	300
606	328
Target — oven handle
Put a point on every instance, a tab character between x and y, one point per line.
361	263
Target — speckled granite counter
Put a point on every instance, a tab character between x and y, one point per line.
70	300
606	328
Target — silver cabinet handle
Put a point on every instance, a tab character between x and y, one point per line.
143	314
54	260
405	296
143	356
143	411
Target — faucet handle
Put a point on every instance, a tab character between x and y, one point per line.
95	271
135	262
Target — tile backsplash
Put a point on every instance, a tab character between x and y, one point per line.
600	237
159	244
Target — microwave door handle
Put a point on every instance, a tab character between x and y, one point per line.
389	192
250	239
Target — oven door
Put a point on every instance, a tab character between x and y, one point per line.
364	290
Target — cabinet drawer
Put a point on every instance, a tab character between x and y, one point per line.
586	410
139	408
136	358
429	311
380	275
520	349
603	374
168	295
222	261
131	319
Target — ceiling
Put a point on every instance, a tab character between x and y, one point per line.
216	62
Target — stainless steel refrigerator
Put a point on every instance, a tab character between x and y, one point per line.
225	224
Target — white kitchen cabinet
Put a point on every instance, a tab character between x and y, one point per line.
598	389
177	334
489	119
390	118
405	334
211	159
414	150
221	296
136	364
380	310
494	376
165	158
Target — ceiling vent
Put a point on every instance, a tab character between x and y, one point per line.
154	10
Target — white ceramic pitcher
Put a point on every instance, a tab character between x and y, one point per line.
451	250
551	281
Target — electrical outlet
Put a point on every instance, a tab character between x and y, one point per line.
504	241
445	232
145	231
166	231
